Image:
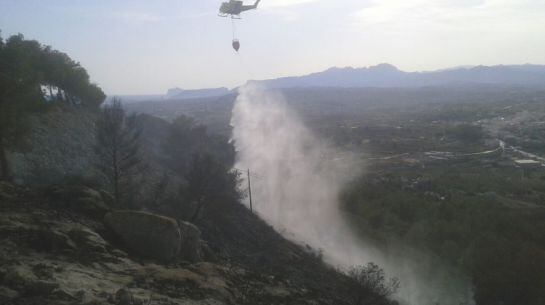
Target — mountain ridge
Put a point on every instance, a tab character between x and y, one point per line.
178	93
386	75
383	75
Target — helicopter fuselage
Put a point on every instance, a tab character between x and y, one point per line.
234	8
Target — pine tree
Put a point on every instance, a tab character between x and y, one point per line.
209	182
118	150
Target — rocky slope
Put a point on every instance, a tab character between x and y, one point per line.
58	251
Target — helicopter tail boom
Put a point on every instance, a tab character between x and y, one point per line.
251	7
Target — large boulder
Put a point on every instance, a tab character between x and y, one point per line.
91	246
150	235
191	246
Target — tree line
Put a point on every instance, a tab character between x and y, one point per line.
33	77
200	163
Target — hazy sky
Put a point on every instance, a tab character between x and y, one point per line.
147	46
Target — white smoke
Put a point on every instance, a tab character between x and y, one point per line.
295	185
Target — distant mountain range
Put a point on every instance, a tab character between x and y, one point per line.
379	76
177	93
386	75
172	94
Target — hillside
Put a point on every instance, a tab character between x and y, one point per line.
58	247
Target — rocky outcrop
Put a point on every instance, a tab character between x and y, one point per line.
79	198
158	237
50	258
191	244
150	235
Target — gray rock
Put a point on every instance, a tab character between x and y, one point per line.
7	295
191	245
19	277
87	240
50	239
23	278
124	297
41	288
147	234
79	198
278	292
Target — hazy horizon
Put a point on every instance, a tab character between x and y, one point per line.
314	72
141	47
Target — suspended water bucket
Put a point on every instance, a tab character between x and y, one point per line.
236	44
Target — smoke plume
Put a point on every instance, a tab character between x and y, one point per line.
296	179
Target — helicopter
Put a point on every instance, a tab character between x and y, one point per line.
233	9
